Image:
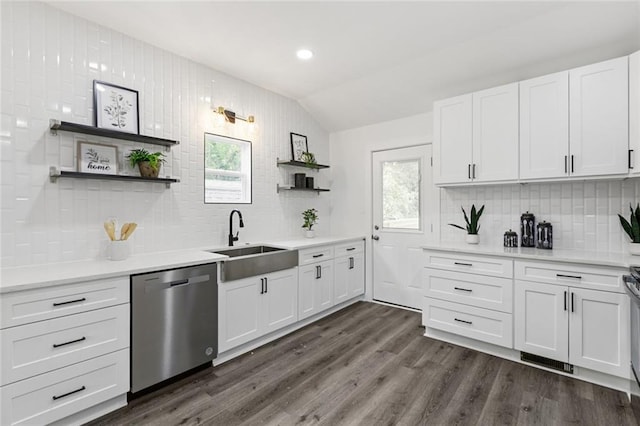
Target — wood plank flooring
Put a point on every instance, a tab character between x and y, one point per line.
369	364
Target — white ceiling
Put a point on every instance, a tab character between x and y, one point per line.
377	61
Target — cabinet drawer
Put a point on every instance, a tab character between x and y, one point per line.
315	254
53	396
349	249
36	348
27	306
469	289
476	323
483	265
575	275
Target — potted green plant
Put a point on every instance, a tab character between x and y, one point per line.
632	228
309	158
149	163
310	217
472	226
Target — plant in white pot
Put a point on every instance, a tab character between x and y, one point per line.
472	226
310	217
632	228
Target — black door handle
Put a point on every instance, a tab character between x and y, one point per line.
266	285
572	302
70	301
57	345
469	170
565	300
261	285
630	166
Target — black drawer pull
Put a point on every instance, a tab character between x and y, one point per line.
57	345
315	256
463	289
351	249
68	393
463	264
466	322
577	277
70	301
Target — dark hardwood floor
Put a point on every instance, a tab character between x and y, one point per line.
370	365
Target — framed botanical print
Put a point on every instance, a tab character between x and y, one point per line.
97	158
298	146
115	107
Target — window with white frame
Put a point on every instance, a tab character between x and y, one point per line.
227	170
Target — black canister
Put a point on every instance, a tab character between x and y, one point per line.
309	182
545	235
510	239
527	226
299	180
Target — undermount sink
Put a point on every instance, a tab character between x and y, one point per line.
250	261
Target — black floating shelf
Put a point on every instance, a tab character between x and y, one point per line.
301	164
293	188
56	125
55	174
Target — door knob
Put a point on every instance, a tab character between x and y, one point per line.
376	227
375	237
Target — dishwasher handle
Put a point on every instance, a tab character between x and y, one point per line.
157	286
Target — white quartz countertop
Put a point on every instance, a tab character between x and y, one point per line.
40	276
623	260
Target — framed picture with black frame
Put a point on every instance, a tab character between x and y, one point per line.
298	146
115	107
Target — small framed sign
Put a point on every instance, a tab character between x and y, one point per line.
298	146
97	158
115	107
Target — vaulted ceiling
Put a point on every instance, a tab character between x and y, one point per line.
381	60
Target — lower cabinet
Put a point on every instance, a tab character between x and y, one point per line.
586	328
348	279
252	307
316	288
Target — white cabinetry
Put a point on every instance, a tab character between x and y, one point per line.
348	279
316	288
452	140
470	296
544	126
252	307
573	313
495	134
598	118
64	350
634	112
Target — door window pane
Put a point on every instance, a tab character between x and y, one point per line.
401	194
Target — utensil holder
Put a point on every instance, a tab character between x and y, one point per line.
119	250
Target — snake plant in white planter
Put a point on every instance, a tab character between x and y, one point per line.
472	226
632	228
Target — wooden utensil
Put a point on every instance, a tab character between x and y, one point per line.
132	227
110	228
124	230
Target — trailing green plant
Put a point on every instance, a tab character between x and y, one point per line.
472	227
309	158
632	227
140	155
310	217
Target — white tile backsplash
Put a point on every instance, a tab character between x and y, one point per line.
583	213
49	61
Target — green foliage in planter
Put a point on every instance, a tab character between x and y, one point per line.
632	227
310	217
141	155
472	227
309	158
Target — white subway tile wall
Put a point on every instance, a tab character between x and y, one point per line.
48	64
584	215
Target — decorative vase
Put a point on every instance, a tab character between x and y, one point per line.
634	249
472	239
147	171
310	234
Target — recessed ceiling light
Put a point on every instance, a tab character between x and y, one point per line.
304	54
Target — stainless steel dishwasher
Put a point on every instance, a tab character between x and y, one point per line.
174	323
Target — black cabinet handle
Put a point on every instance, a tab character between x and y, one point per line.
315	256
56	397
572	302
261	285
630	166
463	289
70	301
351	263
577	277
565	164
565	300
351	249
572	163
57	345
318	272
466	322
463	264
473	172
469	170
266	285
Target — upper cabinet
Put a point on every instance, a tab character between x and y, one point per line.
477	137
634	113
544	126
574	123
598	118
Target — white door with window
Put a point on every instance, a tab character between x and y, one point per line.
404	220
